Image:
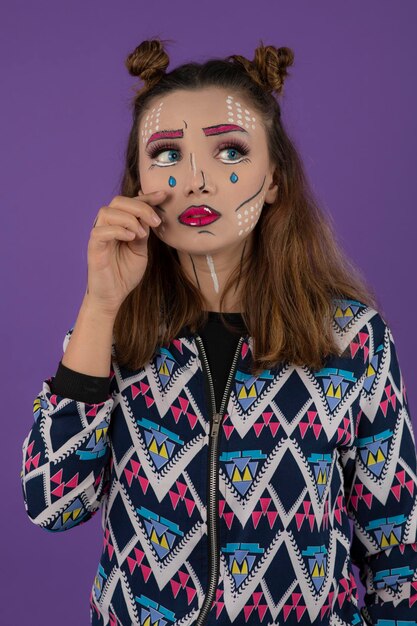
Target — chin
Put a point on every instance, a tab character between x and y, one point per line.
189	243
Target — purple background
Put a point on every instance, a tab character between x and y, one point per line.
350	106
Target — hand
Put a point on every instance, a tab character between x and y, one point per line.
118	248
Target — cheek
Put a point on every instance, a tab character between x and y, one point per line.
248	216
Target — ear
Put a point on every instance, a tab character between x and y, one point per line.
271	194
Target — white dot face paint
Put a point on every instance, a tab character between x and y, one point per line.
151	124
247	219
238	114
243	117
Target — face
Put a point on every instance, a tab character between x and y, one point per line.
208	150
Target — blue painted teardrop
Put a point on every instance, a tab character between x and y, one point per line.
172	182
234	178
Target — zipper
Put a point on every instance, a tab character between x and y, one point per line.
212	506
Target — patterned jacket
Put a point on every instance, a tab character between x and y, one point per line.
245	516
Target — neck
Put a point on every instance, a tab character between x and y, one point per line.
210	272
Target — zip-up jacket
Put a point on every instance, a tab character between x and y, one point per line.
245	511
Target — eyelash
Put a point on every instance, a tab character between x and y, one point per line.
154	150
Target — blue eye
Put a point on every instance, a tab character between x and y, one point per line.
233	148
172	154
172	157
155	150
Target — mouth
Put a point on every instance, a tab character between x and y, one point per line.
198	215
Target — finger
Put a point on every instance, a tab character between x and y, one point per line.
109	233
140	205
122	218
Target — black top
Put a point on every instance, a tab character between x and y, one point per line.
220	345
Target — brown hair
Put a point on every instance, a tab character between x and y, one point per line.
296	269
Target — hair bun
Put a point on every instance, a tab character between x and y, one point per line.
269	67
148	61
272	63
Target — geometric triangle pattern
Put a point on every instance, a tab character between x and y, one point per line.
299	455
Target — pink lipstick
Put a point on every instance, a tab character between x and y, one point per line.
198	215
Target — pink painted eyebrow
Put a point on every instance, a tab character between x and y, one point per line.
223	128
219	129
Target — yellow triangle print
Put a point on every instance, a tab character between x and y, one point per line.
246	474
341	313
164	369
318	572
321	478
242	393
370	371
393	540
153	447
252	392
380	456
163	451
334	394
243	570
100	432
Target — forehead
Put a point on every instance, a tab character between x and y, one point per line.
210	105
209	108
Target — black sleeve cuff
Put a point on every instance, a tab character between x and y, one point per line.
81	387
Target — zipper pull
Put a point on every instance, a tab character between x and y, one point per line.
215	425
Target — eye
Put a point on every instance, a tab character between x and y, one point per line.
157	149
234	148
173	152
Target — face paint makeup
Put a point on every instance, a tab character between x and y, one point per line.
236	113
192	157
147	132
249	214
239	116
213	273
217	182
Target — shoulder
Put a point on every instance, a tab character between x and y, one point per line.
358	322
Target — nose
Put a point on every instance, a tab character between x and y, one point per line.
197	180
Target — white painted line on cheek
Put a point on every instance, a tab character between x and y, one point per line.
213	272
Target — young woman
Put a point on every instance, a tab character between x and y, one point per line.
230	394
